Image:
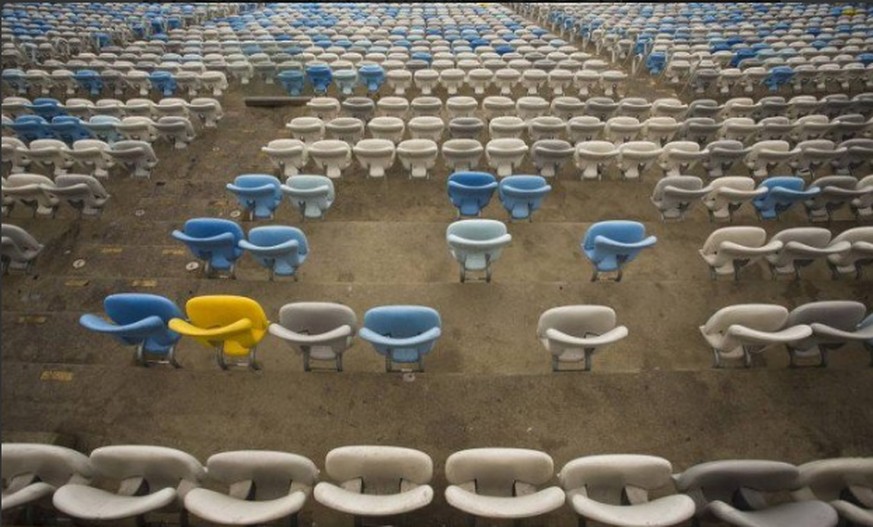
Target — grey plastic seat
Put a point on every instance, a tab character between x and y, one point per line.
741	330
376	481
834	324
723	155
466	127
679	157
320	331
476	244
312	195
729	249
151	478
82	192
137	157
501	483
263	486
674	196
287	155
549	155
717	486
28	190
836	193
307	129
32	472
462	154
801	246
614	490
844	483
19	249
574	334
861	253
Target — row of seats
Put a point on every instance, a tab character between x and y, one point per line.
207	109
43	195
258	486
64	129
93	155
729	249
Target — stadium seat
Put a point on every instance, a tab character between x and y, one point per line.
476	244
279	248
320	331
402	334
34	471
574	334
214	241
610	245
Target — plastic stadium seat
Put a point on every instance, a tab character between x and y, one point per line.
728	194
31	127
263	486
675	195
844	483
801	246
851	261
501	483
402	334
311	195
375	481
292	81
279	248
462	154
723	155
137	157
767	155
782	193
82	192
636	157
307	129
476	244
575	333
418	156
614	490
318	330
33	471
28	191
288	155
733	492
592	157
332	155
257	194
375	155
138	319
151	478
522	195
93	155
18	249
862	206
232	325
69	129
610	245
816	153
470	192
836	193
729	249
213	240
47	153
549	155
834	324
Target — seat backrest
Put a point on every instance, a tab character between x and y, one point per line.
495	470
828	478
606	476
763	317
680	182
314	318
856	234
788	182
270	235
271	472
127	308
577	321
812	236
745	236
208	227
52	464
379	467
619	230
401	321
477	229
161	467
721	479
220	310
840	314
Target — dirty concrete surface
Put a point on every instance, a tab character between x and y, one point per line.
488	381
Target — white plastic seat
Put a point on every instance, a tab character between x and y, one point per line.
592	157
461	106
505	79
462	154
614	490
476	244
399	80
862	206
675	195
505	154
171	107
452	79
347	129
312	195
801	246
621	130
307	129
636	107
28	190
151	478
584	128
176	129
375	155
812	127
215	81
679	157
393	107
669	107
722	156
18	252
391	128
137	128
136	156
33	471
834	324
287	155
479	79
418	156
426	127
729	249
567	108
529	107
613	82
741	330
497	106
816	153
426	80
777	128
501	483
739	129
331	155
559	80
660	130
573	334
82	192
325	108
635	157
549	155
49	154
532	79
507	127
765	156
207	109
376	480
835	193
728	193
850	262
546	127
586	79
844	483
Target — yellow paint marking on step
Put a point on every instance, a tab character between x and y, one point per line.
111	250
174	252
32	319
144	283
56	375
76	282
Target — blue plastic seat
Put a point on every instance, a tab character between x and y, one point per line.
778	77
655	62
372	76
279	248
320	76
612	244
46	107
782	193
213	240
138	319
258	194
69	129
522	195
16	80
292	81
164	82
90	81
31	127
470	192
403	334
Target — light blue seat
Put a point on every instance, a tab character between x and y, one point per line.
279	248
403	334
612	244
69	129
782	193
476	244
90	81
312	195
103	128
522	195
778	77
213	240
164	82
372	76
31	127
346	80
292	81
320	76
138	319
470	192
258	194
46	107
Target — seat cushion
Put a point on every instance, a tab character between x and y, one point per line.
220	508
663	512
340	499
800	514
89	503
526	506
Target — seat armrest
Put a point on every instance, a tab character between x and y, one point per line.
613	335
142	327
272	250
185	328
305	192
792	334
299	338
376	338
226	237
609	242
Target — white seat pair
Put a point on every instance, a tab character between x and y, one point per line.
83	192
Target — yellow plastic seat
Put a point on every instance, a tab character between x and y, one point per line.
233	325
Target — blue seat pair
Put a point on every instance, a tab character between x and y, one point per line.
782	193
470	192
220	243
609	245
